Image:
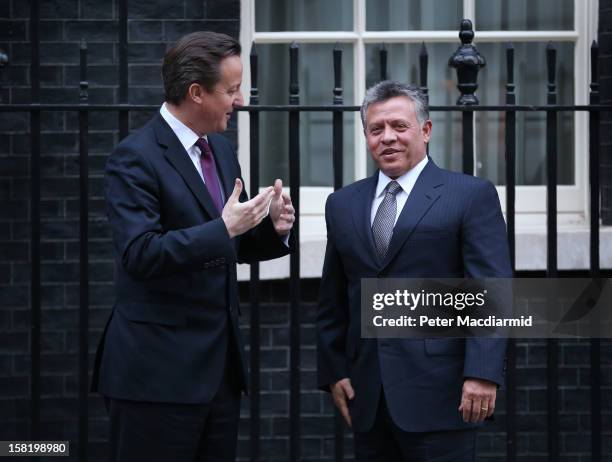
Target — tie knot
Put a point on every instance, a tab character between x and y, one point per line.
204	147
393	187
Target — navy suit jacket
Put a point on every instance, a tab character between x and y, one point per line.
451	226
175	272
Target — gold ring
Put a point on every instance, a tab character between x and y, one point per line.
485	409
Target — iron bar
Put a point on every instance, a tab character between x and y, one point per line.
124	121
83	258
423	64
595	346
294	265
468	61
255	334
4	60
309	108
35	287
383	53
510	210
337	153
467	128
551	238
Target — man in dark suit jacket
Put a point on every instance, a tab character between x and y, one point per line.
408	399
171	363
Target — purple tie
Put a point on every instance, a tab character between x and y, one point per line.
207	161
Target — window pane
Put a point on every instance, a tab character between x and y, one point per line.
525	14
413	15
403	61
530	81
316	85
303	15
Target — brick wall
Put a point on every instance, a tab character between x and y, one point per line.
152	24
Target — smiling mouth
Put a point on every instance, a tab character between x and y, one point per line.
388	152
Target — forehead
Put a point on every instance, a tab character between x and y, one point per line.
396	107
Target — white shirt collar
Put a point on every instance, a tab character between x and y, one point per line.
406	181
186	135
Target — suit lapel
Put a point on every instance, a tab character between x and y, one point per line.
361	207
424	194
178	157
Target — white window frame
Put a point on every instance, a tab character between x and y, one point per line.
530	200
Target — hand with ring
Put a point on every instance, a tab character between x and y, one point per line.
477	399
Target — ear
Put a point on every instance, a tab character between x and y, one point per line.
426	130
195	93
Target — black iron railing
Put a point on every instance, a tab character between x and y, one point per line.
467	61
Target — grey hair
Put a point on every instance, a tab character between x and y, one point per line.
388	89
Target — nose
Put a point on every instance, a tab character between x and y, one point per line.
388	135
239	100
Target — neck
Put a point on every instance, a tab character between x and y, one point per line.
183	113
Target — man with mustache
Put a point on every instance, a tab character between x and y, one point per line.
408	399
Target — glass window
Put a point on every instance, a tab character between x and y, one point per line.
316	81
530	80
524	15
424	18
413	15
303	15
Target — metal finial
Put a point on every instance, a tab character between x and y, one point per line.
468	61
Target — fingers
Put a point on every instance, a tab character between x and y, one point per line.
341	404
236	192
341	391
471	411
278	187
258	206
345	414
263	198
288	211
491	407
466	409
477	414
348	389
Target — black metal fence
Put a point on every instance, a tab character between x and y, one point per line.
466	61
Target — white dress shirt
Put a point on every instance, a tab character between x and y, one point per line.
406	181
186	136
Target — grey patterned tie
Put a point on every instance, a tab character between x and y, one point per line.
382	227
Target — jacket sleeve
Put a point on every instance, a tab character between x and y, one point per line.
147	250
486	255
332	313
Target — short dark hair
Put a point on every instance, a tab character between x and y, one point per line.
388	89
195	58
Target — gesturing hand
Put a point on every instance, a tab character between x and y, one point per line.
341	391
238	216
477	400
282	212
